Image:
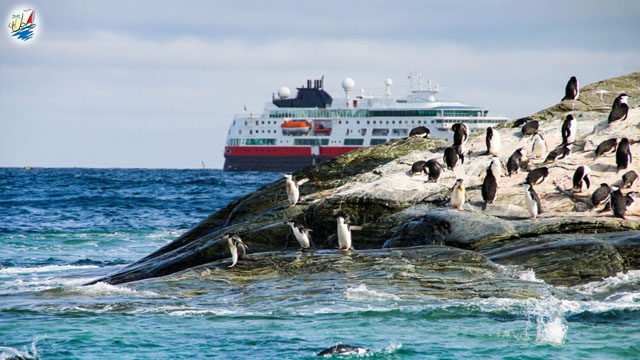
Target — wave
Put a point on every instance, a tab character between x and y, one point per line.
361	293
630	278
7	352
42	269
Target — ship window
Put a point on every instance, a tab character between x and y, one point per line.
339	121
311	142
261	141
363	132
239	131
387	122
380	132
353	141
401	132
377	141
245	123
393	122
367	122
358	122
250	132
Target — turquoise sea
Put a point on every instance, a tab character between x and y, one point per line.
60	228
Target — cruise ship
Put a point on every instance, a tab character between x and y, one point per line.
313	127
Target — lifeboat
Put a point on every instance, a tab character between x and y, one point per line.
295	126
320	128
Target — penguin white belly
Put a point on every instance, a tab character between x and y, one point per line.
292	192
532	205
303	239
494	144
539	148
344	237
496	169
234	256
457	198
572	132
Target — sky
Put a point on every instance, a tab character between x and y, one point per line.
155	84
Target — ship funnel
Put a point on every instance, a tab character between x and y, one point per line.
308	84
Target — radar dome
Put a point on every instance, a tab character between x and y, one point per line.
348	84
284	93
388	82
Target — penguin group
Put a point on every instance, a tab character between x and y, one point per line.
611	196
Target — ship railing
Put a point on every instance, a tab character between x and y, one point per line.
248	116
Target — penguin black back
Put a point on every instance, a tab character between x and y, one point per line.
623	154
450	157
419	166
629	178
530	128
619	109
571	90
513	164
435	168
489	188
538	174
420	131
606	146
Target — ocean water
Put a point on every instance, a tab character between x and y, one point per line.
60	228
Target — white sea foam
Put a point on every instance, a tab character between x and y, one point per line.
631	277
361	293
103	289
551	331
7	352
47	268
517	272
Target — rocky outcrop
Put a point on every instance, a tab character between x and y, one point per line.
371	188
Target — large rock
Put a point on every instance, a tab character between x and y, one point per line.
371	188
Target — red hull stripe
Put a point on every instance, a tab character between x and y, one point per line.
305	151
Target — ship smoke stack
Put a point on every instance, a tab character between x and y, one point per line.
308	84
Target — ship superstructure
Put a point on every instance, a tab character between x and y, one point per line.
292	133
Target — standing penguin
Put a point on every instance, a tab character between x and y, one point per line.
629	178
293	191
460	134
515	161
571	91
302	234
619	109
459	194
554	154
623	154
600	195
435	168
489	188
493	141
451	156
539	147
496	167
606	146
344	234
237	248
532	201
618	202
580	177
569	130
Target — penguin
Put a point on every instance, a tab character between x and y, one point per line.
460	134
534	175
629	178
600	195
515	160
344	234
623	154
489	188
569	130
420	131
619	109
418	167
530	128
496	167
580	176
435	168
344	350
493	141
237	248
539	147
554	154
606	146
532	201
520	122
293	191
302	234
572	90
618	202
451	157
459	194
